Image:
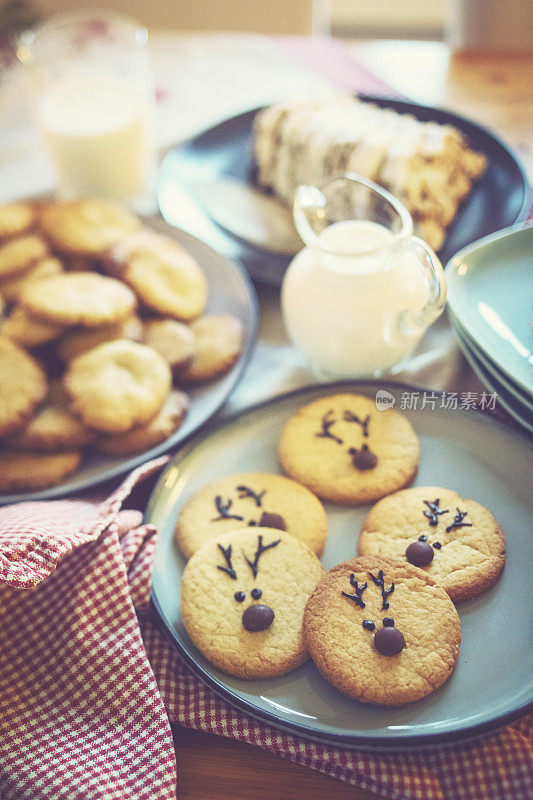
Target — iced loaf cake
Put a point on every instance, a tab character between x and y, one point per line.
428	166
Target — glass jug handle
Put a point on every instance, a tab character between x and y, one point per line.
413	321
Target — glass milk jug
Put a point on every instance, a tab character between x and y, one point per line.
357	299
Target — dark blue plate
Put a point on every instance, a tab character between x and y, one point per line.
499	199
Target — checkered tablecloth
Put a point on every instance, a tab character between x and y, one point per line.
88	683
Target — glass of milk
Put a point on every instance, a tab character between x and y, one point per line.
359	296
93	100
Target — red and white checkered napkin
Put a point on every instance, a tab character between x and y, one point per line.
81	717
86	676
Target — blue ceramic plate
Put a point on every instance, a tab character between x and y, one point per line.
498	200
464	450
490	369
490	293
230	290
509	400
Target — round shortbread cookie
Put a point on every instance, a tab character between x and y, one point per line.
381	631
23	386
347	451
242	601
78	298
147	436
456	541
78	340
250	499
12	288
85	227
19	255
53	429
165	278
218	345
26	331
173	340
15	218
118	385
20	471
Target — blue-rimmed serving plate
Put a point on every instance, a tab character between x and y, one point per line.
461	449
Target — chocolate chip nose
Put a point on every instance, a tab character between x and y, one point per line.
257	618
269	520
420	554
389	641
364	458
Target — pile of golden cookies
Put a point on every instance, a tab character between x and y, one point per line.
102	329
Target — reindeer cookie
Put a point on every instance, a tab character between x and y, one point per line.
346	451
252	499
382	631
242	601
456	541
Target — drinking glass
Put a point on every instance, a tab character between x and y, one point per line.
92	98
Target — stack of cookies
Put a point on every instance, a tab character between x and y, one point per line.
382	627
102	329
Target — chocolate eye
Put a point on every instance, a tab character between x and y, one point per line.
256	593
437	545
388	622
252	523
368	625
422	538
239	596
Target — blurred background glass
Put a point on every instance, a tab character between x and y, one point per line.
472	24
92	99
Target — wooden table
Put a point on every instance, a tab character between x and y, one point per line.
493	89
496	91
